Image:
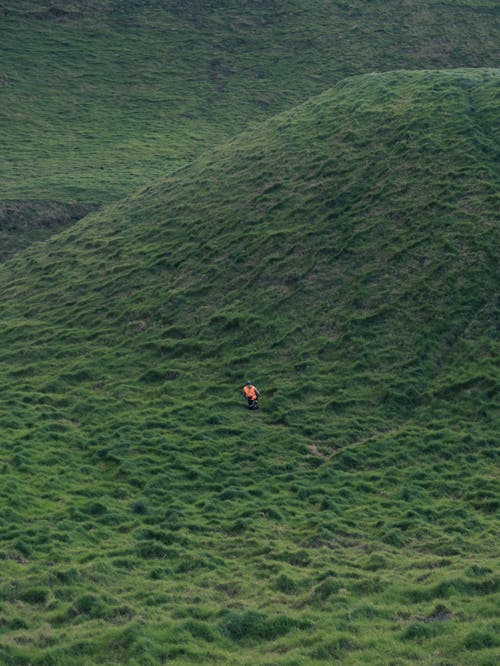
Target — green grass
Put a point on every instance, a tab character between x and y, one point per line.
25	222
97	98
341	256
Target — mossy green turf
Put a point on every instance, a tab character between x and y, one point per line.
98	97
341	256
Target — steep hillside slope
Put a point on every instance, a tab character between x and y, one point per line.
97	97
340	255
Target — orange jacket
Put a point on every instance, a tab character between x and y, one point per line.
250	392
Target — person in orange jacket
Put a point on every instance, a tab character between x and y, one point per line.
252	394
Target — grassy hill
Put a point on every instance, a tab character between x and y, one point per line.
341	256
98	97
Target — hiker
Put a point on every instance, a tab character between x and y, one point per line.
252	394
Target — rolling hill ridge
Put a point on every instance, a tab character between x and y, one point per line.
340	255
98	98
